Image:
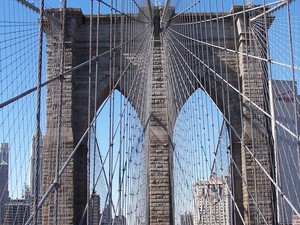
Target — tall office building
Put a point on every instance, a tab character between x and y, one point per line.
94	216
108	219
4	152
295	220
186	219
16	212
106	216
120	220
211	201
286	148
4	194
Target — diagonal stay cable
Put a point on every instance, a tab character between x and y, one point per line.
240	174
52	185
235	89
227	15
61	75
255	158
36	9
236	52
123	14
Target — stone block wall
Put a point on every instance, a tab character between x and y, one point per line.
73	184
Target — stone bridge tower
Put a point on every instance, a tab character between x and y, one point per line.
243	74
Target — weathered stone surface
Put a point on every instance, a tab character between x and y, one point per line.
230	66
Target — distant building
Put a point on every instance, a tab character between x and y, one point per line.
4	194
186	219
27	194
286	148
107	219
94	217
4	152
140	219
16	212
120	220
211	201
106	216
33	163
295	220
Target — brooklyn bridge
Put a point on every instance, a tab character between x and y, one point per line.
141	112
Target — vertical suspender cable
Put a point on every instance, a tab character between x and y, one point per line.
91	218
38	114
110	115
89	113
272	118
120	213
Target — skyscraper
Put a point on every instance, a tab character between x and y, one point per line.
186	219
106	216
16	212
286	113
211	201
4	194
94	217
4	152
